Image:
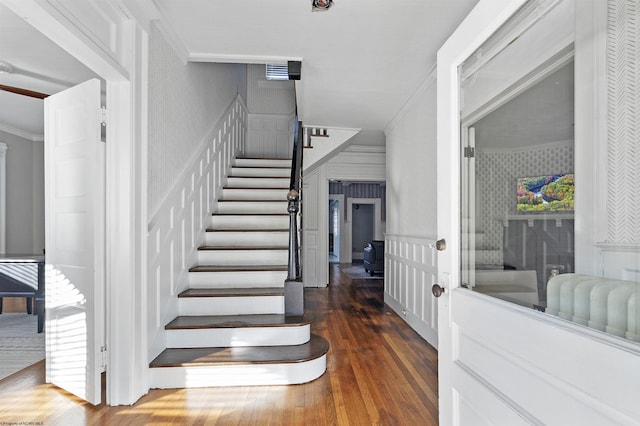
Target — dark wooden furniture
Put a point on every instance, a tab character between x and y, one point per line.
17	281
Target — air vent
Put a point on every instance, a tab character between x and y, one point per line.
277	72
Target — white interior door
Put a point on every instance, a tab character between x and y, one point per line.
500	362
74	224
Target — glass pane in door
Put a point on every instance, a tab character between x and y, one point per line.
518	164
538	229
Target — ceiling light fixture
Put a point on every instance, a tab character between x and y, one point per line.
321	5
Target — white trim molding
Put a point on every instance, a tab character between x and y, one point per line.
21	133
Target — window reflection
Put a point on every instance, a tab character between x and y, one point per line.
520	181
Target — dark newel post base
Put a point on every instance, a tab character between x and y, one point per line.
293	297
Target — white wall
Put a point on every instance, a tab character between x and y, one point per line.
411	212
38	197
411	167
185	102
189	157
271	105
25	194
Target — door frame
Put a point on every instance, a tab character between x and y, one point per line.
123	66
341	240
377	221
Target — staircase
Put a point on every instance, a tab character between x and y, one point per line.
231	329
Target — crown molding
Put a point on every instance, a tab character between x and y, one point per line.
429	80
241	59
21	133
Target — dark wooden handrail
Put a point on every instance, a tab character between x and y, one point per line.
293	207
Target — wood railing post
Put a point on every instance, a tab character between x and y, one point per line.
293	286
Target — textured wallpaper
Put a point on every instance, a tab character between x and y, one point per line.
497	173
185	103
361	190
623	121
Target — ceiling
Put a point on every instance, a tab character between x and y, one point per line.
40	65
362	60
542	114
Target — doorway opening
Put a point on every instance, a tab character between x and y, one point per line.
335	227
363	225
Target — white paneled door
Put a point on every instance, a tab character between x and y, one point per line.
506	355
74	221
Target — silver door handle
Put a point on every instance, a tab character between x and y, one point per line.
437	290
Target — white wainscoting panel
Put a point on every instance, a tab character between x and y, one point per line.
270	134
177	229
409	273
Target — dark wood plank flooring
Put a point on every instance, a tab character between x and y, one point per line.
380	372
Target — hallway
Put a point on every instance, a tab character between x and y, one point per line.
379	372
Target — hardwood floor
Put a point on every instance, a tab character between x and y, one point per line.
379	371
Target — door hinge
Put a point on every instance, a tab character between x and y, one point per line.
103	352
103	116
469	152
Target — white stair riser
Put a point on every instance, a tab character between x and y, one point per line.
262	162
254	194
250	222
261	172
247	239
237	279
243	257
249	207
244	305
236	182
244	336
241	375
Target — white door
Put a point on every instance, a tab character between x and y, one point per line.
501	361
74	224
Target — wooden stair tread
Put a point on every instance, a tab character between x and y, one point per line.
246	230
253	201
260	188
239	268
232	292
258	177
221	248
263	158
237	321
262	167
250	214
193	357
